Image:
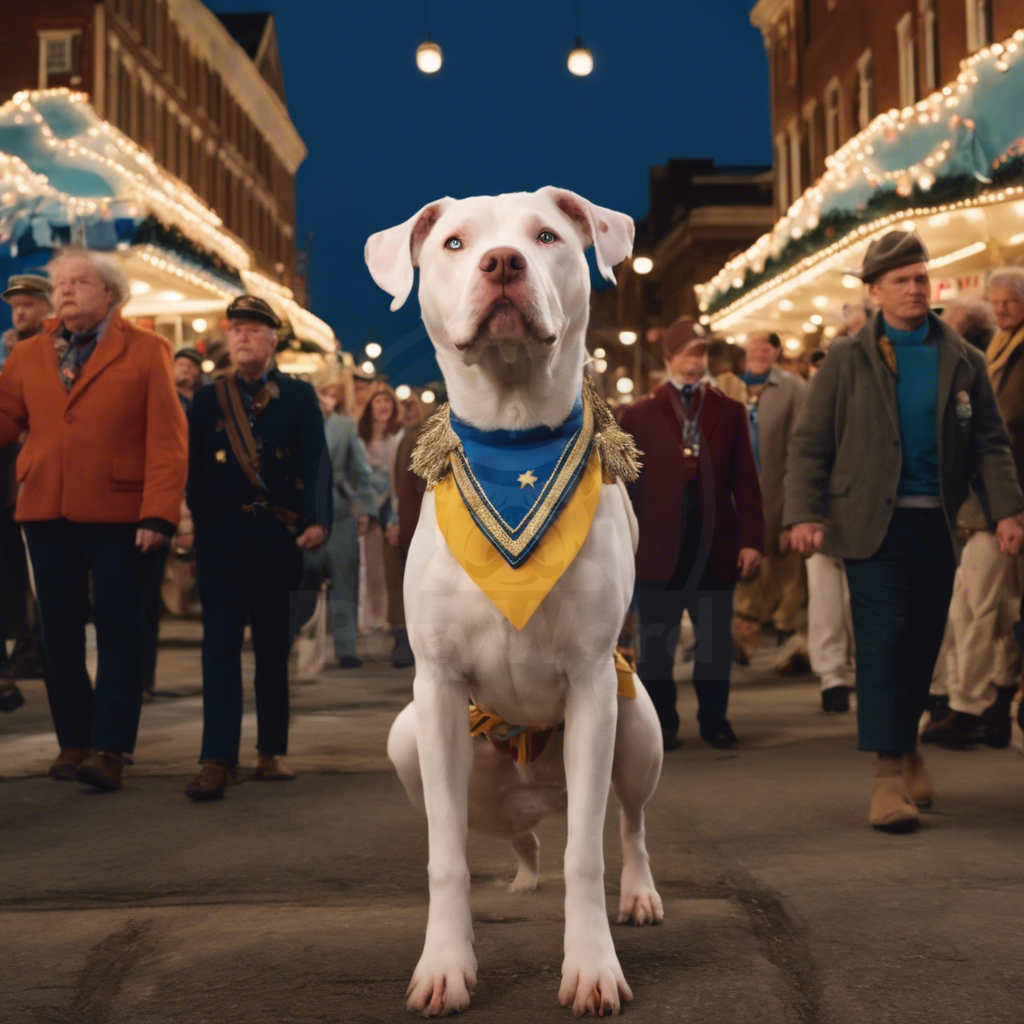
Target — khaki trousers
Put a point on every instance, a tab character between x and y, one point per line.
829	623
978	650
777	594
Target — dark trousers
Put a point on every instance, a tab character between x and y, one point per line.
900	602
16	598
660	607
64	556
248	571
152	582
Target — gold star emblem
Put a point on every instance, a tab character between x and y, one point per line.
221	456
526	478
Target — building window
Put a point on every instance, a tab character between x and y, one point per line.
930	35
979	24
906	48
866	89
833	116
59	57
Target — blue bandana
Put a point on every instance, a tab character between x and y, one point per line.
516	482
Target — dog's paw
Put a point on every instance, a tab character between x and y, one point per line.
442	983
525	881
594	987
639	902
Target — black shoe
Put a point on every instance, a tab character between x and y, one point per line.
11	698
350	661
938	707
956	731
835	700
996	719
402	656
670	741
722	738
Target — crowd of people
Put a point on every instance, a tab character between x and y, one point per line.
862	506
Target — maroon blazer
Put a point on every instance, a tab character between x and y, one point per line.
730	493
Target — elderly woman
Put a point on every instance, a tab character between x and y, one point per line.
102	475
380	429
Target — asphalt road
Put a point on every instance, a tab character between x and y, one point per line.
306	901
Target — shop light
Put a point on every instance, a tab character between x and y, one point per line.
368	367
628	337
199	325
581	60
428	57
599	353
428	397
624	386
643	264
402	392
373	350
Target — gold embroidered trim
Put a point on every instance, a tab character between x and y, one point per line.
620	457
538	517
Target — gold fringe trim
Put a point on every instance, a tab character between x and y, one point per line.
620	457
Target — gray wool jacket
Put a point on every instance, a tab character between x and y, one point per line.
845	455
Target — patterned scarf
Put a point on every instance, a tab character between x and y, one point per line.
74	349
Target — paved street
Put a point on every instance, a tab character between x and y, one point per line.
306	901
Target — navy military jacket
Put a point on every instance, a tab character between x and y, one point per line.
294	463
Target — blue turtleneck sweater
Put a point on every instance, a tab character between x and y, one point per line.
917	395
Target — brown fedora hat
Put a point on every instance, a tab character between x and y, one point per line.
682	334
892	250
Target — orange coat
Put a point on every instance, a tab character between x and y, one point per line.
112	450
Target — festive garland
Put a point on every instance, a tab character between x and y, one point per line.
154	232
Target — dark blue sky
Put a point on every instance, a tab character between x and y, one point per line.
671	79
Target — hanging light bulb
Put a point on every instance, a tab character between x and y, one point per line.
581	60
428	57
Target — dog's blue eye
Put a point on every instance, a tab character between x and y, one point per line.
547	237
453	243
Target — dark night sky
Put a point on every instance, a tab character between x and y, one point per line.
672	78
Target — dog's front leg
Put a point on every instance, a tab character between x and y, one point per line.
592	980
446	972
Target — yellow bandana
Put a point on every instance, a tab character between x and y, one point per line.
518	593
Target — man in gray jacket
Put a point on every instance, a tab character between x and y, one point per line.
898	421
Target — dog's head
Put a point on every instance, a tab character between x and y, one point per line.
501	277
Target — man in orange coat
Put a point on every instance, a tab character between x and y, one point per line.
101	478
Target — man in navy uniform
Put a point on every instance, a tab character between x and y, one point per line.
259	487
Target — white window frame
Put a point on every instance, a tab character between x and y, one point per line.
782	171
57	35
929	31
833	104
906	48
866	89
979	24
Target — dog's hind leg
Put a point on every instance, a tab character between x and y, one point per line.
635	772
527	847
404	755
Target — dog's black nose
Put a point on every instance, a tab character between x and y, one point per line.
503	264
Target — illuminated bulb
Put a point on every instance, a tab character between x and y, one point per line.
851	281
170	296
624	386
428	57
373	350
581	60
402	392
643	264
208	366
368	367
627	337
817	319
601	365
141	287
786	305
428	397
599	353
820	301
793	345
199	325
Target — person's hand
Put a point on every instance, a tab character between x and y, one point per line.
806	538
749	562
1010	535
391	533
185	541
362	526
149	540
311	538
784	542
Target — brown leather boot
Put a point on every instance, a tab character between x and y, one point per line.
270	768
64	767
892	810
213	778
918	781
102	769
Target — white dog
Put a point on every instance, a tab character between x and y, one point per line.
504	293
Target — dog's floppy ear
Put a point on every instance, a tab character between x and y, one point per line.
391	255
611	233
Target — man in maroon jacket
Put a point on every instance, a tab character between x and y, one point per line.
698	502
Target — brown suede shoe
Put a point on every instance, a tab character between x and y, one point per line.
211	781
270	768
918	781
68	760
892	810
102	769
